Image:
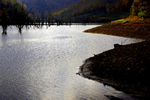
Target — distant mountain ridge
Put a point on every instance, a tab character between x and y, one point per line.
48	5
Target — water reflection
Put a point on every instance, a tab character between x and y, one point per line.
20	27
4	39
41	64
4	27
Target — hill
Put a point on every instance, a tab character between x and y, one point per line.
96	10
48	5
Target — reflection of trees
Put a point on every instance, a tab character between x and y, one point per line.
20	28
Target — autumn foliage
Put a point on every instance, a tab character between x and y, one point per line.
140	8
12	12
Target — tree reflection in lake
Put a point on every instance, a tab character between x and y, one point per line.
39	26
20	28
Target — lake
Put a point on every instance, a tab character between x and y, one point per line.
41	63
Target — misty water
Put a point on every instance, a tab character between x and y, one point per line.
41	64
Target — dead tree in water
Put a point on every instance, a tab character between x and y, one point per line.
42	17
4	29
5	17
33	17
50	18
4	21
20	28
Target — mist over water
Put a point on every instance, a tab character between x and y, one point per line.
41	63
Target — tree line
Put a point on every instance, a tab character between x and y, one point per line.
13	12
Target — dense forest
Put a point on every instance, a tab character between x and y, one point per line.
104	10
13	12
95	10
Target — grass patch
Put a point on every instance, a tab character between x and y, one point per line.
131	19
121	20
125	21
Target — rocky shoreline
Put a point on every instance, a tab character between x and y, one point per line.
125	68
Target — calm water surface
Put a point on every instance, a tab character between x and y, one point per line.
41	64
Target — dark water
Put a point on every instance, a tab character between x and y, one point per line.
41	64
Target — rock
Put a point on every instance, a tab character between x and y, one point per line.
117	45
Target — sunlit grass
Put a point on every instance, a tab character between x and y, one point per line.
129	19
121	20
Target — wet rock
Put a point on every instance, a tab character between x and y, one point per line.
117	45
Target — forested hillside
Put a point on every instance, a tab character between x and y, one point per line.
104	10
12	11
96	10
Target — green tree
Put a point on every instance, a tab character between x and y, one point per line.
140	8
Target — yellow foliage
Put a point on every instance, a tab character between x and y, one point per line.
59	12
